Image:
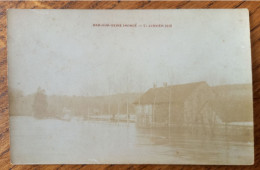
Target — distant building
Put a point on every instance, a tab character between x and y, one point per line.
180	105
233	103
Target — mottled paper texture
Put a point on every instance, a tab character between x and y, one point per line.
130	86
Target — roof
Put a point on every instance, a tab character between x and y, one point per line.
233	90
179	93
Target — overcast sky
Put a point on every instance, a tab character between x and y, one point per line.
61	52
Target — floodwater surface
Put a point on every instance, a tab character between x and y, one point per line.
52	141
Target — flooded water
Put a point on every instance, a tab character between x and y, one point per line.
76	142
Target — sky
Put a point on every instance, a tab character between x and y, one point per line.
61	52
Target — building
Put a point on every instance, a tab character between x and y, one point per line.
233	103
176	105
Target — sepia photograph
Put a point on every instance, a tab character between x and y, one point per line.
130	86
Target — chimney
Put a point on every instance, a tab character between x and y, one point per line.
154	85
165	84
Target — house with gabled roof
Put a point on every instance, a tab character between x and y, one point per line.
180	105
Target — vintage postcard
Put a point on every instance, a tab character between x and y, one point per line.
130	86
